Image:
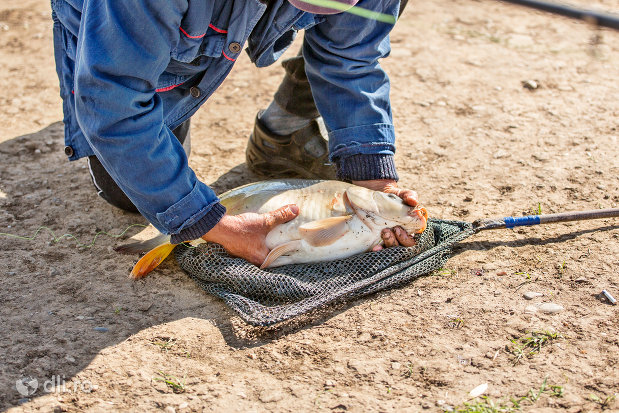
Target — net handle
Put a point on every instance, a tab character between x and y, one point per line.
530	220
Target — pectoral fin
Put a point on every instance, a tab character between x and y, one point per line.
278	251
324	231
151	260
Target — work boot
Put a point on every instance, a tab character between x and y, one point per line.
301	154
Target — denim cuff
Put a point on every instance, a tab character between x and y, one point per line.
372	139
204	225
362	167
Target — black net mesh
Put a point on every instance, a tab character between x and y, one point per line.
266	297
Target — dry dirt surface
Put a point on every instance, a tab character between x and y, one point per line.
472	139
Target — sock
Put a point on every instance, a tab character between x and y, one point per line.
280	122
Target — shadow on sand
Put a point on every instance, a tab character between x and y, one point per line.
61	305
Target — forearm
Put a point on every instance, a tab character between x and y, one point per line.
122	116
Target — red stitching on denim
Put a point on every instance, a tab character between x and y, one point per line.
218	30
190	36
165	89
226	56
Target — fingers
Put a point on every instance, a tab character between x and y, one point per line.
390	186
410	197
393	237
281	215
403	238
389	238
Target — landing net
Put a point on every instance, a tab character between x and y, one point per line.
266	297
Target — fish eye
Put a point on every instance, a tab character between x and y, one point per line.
392	196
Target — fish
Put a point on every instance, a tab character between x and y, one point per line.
336	220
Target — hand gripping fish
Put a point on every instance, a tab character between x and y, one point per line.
336	220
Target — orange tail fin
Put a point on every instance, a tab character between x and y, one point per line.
151	260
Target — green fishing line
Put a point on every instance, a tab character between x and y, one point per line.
359	11
69	236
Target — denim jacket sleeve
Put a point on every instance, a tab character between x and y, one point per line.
351	90
123	48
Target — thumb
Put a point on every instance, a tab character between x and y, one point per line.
281	215
410	197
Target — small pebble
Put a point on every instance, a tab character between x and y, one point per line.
169	409
53	271
530	84
529	295
497	293
70	359
501	273
11	273
581	280
479	390
144	307
24	400
530	309
183	405
550	308
101	329
395	365
329	383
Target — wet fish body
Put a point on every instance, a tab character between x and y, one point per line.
336	219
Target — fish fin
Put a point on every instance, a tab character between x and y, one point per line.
143	245
151	260
324	231
279	251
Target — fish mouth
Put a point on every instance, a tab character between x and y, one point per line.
420	214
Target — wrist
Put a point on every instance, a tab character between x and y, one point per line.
203	225
377	184
218	233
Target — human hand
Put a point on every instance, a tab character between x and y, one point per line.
396	235
244	235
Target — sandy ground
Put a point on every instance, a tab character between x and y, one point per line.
472	140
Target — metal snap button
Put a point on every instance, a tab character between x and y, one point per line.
69	151
195	92
234	47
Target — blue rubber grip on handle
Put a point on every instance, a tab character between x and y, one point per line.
511	222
